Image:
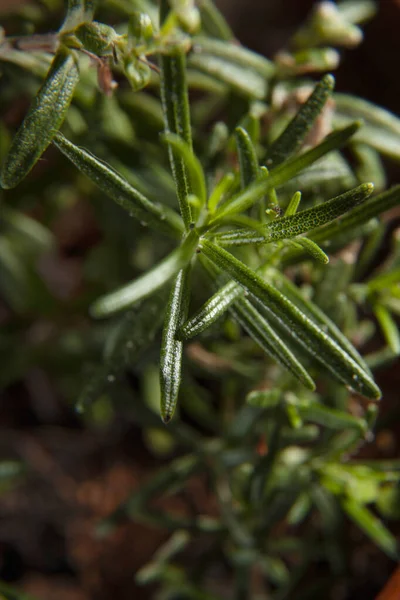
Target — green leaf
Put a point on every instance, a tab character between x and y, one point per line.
175	103
193	166
234	53
312	249
78	12
285	172
293	137
315	339
372	527
171	346
222	188
213	21
248	161
301	222
330	417
117	188
148	283
293	205
381	129
44	118
241	79
314	312
267	399
211	310
370	166
389	327
264	335
358	216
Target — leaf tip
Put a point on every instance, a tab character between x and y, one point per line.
166	418
329	81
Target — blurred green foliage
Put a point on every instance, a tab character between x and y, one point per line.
207	145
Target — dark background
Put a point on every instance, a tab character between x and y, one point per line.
77	474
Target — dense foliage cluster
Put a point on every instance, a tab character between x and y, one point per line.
256	198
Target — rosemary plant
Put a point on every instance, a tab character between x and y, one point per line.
251	230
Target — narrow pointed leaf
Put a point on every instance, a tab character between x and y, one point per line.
312	249
314	312
331	418
45	116
372	527
293	205
148	283
293	137
193	167
248	161
175	103
78	12
211	310
358	216
324	348
213	21
264	335
171	346
221	189
301	222
389	327
285	172
117	188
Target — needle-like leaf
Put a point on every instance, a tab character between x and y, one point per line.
389	327
78	12
285	172
148	283
248	161
330	417
193	166
213	22
358	216
117	188
372	526
312	249
301	222
44	118
175	103
292	292
323	347
264	335
293	137
171	346
211	310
